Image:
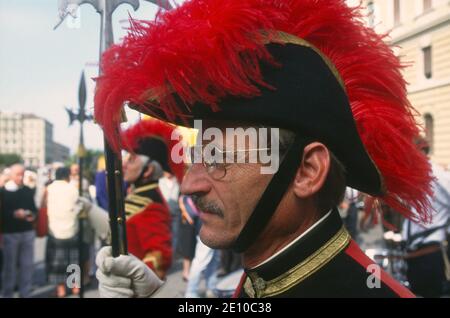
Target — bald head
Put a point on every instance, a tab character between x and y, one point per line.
16	174
74	170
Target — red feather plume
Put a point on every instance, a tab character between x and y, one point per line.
158	129
207	49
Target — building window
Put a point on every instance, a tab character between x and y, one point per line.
427	5
371	11
427	62
396	12
429	131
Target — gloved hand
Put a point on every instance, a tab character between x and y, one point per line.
99	221
83	204
125	276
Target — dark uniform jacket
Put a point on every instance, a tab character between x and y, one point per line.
325	262
149	228
10	201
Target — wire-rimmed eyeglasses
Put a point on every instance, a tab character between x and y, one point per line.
216	161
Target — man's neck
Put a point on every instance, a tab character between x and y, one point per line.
274	241
142	183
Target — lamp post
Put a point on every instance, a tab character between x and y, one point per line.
81	117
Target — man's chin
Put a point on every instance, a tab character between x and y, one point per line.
212	240
129	179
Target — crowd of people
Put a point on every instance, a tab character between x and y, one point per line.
420	250
42	206
47	205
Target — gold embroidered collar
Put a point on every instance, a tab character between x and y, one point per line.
256	286
138	199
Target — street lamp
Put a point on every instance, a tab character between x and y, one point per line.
81	117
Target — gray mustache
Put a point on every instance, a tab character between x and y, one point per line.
202	205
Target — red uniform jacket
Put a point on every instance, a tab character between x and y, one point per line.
149	228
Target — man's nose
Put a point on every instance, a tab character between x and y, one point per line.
196	180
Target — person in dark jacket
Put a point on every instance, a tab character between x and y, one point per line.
18	212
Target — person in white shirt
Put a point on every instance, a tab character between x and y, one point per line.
62	246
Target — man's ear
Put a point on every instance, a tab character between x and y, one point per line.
313	171
148	171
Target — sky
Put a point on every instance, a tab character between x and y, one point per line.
40	68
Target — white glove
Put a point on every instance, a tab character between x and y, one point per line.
83	204
125	276
99	221
97	217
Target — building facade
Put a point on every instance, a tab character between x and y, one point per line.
420	35
60	153
31	137
11	126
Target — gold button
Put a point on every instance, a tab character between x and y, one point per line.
260	284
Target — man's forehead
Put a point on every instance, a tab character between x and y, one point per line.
128	155
134	157
17	169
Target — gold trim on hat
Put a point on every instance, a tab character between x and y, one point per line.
288	38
